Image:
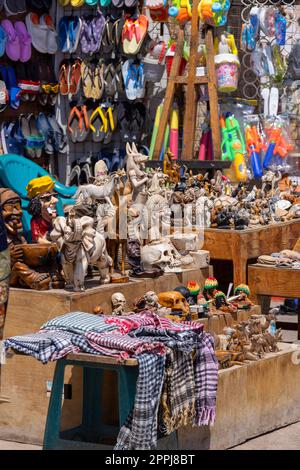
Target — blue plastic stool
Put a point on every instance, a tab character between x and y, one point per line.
92	428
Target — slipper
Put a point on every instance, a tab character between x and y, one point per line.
118	3
85	128
75	78
63	34
107	43
14	7
4	97
124	121
109	78
87	79
97	27
127	34
52	46
75	175
98	81
24	40
74	124
119	79
140	29
3	40
64	78
134	79
12	47
61	140
98	125
130	3
38	33
111	116
85	35
116	34
75	26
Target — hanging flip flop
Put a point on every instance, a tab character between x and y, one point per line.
111	117
75	77
85	129
98	125
64	78
87	79
75	124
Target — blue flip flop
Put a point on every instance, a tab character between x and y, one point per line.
3	40
63	34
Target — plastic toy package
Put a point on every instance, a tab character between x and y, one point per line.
255	144
279	144
214	12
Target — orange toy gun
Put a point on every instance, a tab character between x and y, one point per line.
254	145
278	145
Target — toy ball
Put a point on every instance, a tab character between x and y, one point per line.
216	7
173	11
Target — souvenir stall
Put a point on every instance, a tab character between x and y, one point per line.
144	146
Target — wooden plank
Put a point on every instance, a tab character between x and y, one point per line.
83	357
213	94
182	80
190	97
169	95
281	282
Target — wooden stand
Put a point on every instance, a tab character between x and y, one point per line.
280	282
191	97
239	246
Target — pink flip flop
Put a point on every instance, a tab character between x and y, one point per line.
25	41
12	48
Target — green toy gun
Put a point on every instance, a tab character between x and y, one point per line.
233	146
232	139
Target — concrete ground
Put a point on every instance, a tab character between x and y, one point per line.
287	438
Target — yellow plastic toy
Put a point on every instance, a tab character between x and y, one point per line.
214	12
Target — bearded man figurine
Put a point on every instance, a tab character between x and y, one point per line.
42	207
32	266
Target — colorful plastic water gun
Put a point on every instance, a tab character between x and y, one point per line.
181	10
278	145
233	146
214	12
255	145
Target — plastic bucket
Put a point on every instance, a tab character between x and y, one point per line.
227	71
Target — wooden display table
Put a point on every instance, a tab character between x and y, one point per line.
239	246
280	282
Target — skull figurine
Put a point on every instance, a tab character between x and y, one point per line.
162	254
151	300
118	302
175	301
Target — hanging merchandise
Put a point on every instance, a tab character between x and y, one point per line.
214	12
279	144
180	10
154	65
255	146
233	146
227	64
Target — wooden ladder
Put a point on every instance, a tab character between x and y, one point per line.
191	80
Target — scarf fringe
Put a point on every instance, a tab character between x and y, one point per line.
182	418
205	417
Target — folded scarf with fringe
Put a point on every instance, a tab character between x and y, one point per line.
140	429
205	371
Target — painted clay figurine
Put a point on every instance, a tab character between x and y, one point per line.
32	265
42	207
